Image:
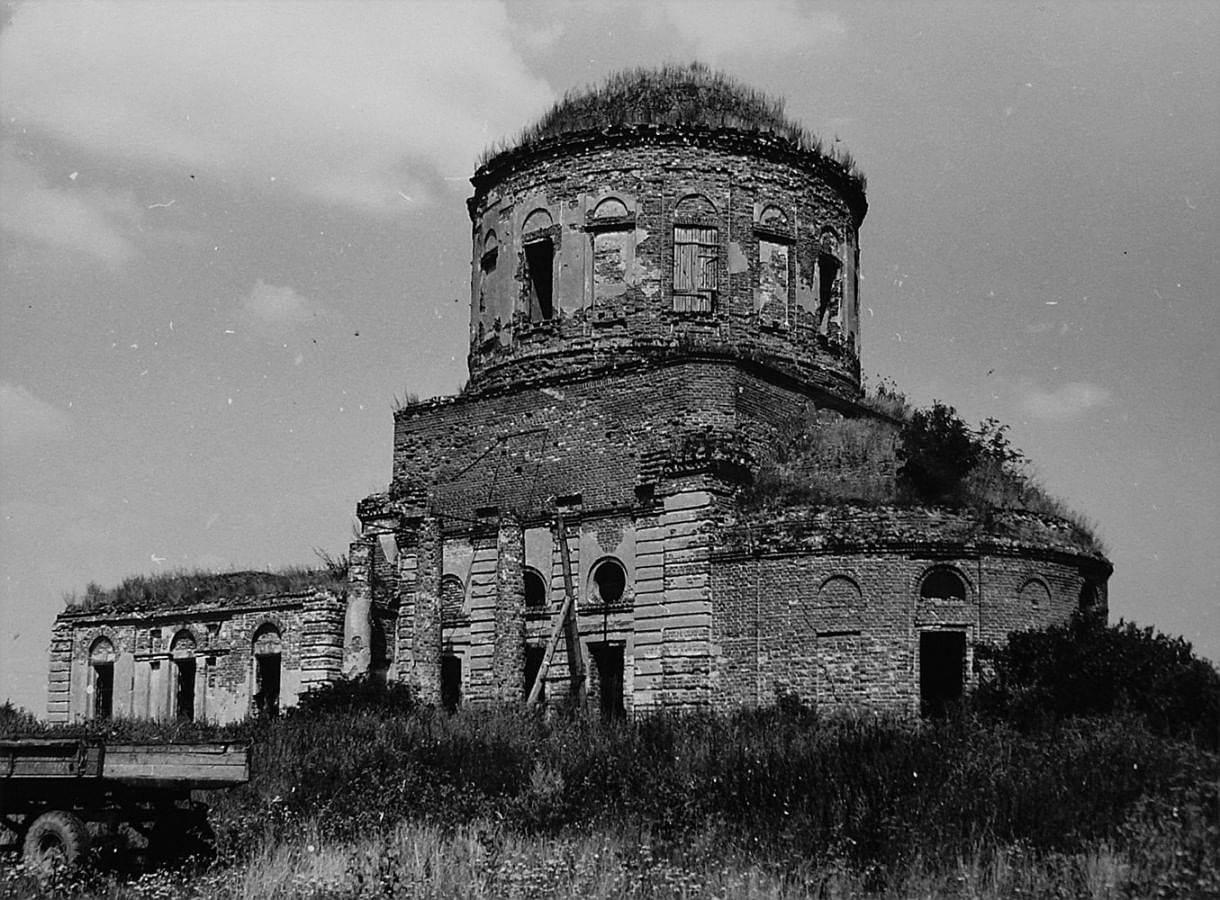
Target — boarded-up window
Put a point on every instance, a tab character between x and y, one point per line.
695	267
773	280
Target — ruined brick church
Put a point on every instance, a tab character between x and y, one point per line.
664	280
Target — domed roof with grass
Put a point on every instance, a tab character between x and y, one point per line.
671	96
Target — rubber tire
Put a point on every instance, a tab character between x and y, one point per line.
56	836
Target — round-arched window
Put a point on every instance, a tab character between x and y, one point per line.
773	217
183	643
102	651
609	582
453	597
537	220
267	640
610	208
1035	593
535	590
942	584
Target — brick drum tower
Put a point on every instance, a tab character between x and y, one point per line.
664	278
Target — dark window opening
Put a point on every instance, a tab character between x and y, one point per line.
533	664
1088	597
535	590
267	681
942	669
539	261
451	682
829	290
379	652
611	581
608	659
184	697
942	584
103	690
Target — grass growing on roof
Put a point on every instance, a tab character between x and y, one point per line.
692	94
182	587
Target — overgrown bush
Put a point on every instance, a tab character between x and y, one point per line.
780	786
937	451
1086	667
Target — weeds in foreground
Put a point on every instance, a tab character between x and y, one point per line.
486	860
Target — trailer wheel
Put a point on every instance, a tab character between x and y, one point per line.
56	838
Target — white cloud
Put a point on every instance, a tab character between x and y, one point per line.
754	28
1070	401
350	103
84	219
273	310
24	419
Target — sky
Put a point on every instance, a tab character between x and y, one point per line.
232	234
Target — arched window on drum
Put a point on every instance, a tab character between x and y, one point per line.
539	238
612	230
696	255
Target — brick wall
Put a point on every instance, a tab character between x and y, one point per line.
842	628
217	637
613	276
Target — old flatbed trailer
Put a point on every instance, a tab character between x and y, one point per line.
57	795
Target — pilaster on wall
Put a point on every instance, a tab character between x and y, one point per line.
402	667
424	662
59	687
508	660
357	623
322	633
673	602
479	682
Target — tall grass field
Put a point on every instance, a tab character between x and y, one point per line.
361	792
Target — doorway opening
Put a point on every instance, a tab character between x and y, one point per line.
184	696
103	690
942	670
608	660
451	682
533	663
267	679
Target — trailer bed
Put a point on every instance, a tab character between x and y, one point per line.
186	766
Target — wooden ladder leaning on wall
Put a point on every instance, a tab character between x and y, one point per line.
565	624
